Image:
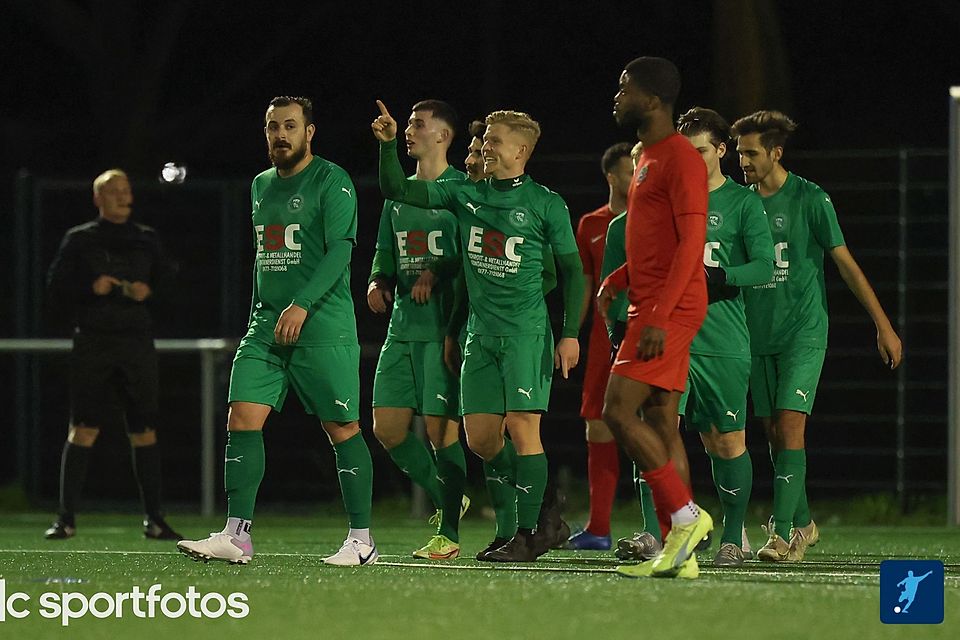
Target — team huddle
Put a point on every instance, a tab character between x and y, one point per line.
704	290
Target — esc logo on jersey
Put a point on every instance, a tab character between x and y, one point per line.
494	244
911	592
274	237
418	242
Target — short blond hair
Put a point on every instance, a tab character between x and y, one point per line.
105	177
519	122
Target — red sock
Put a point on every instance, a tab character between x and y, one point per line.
603	471
669	493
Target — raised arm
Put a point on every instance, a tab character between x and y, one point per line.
393	184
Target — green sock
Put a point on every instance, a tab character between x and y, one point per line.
243	471
505	462
531	483
503	499
502	490
788	483
414	459
452	468
734	480
802	517
355	471
645	496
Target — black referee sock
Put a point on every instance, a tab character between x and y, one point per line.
73	472
146	466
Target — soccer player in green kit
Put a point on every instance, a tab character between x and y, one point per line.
411	376
787	319
505	222
738	253
302	333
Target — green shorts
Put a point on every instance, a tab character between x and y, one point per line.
506	373
326	379
413	375
716	394
786	380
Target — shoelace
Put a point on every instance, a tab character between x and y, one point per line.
435	518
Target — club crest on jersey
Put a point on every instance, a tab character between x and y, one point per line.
642	174
519	217
295	203
714	219
779	222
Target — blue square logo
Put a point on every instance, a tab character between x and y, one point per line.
911	592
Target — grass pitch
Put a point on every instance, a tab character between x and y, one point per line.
291	594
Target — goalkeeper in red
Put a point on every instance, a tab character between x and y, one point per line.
302	334
787	319
505	221
665	235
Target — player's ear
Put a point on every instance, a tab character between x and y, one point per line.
776	153
311	129
444	134
721	150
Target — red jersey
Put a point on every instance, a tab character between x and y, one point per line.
591	237
670	181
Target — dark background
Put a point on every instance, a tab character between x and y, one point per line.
91	85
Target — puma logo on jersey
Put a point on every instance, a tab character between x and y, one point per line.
785	478
497	479
525	392
441	480
352	471
440	397
237	459
732	492
396	209
346	191
342	404
733	414
596	238
618	362
473	207
524	489
802	394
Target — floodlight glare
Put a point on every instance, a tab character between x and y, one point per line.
172	173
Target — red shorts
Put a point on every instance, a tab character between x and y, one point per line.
597	373
669	371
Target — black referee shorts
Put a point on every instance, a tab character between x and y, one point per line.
114	379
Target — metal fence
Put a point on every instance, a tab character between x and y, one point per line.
873	430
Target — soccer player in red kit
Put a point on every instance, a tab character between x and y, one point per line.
665	234
603	456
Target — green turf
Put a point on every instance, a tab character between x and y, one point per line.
565	595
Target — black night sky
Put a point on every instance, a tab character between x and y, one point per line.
92	84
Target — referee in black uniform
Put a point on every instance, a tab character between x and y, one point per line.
104	273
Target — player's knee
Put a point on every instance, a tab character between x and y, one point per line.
389	435
82	436
613	413
486	445
246	417
729	445
598	431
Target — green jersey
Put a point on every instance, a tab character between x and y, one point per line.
505	228
412	239
738	241
298	223
614	256
791	309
